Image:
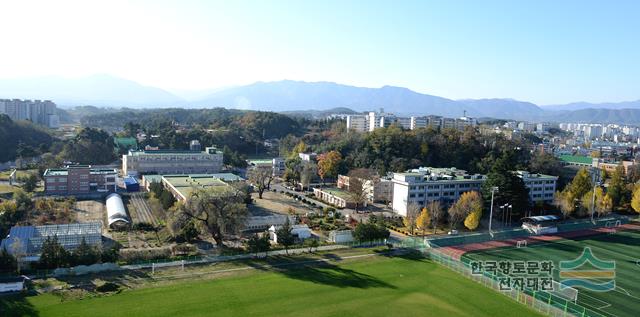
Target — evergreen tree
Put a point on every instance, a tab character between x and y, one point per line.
285	237
8	263
511	188
84	254
53	254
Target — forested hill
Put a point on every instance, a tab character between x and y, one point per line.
254	124
19	137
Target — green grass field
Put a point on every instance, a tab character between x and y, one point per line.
368	286
623	247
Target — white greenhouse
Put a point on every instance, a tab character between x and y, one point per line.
116	214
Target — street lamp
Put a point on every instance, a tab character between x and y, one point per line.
493	191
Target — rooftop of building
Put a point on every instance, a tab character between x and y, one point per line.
65	170
336	192
186	184
576	159
442	174
125	141
208	150
535	175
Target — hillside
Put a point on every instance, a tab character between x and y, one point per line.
20	136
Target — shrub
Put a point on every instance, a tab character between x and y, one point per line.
108	287
143	226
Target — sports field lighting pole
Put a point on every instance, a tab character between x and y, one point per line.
493	191
595	185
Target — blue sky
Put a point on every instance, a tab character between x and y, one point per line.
546	52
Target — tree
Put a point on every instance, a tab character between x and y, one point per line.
512	189
220	210
581	184
309	169
84	254
285	237
188	232
30	183
359	181
436	212
565	201
413	211
7	261
131	129
311	244
258	244
475	205
53	255
166	199
293	168
635	201
261	178
18	250
467	203
328	164
371	231
424	220
301	147
617	189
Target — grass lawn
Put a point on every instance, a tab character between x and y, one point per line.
372	286
622	247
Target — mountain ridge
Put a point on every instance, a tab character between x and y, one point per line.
300	96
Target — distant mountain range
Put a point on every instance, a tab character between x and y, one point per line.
298	97
96	90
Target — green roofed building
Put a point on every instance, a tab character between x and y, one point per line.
122	145
578	160
181	186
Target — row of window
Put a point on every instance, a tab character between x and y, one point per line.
444	194
444	186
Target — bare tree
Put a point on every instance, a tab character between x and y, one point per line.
436	212
17	248
361	181
410	220
306	175
221	210
261	178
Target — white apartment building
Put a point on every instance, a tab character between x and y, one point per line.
375	120
42	112
541	187
425	184
162	162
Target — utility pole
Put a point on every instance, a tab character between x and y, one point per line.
493	191
595	184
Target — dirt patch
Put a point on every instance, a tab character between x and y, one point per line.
278	203
91	210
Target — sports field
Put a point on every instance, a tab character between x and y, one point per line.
369	286
622	247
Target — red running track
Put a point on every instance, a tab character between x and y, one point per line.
457	252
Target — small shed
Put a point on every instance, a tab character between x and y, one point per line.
12	283
116	214
131	184
341	236
300	232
